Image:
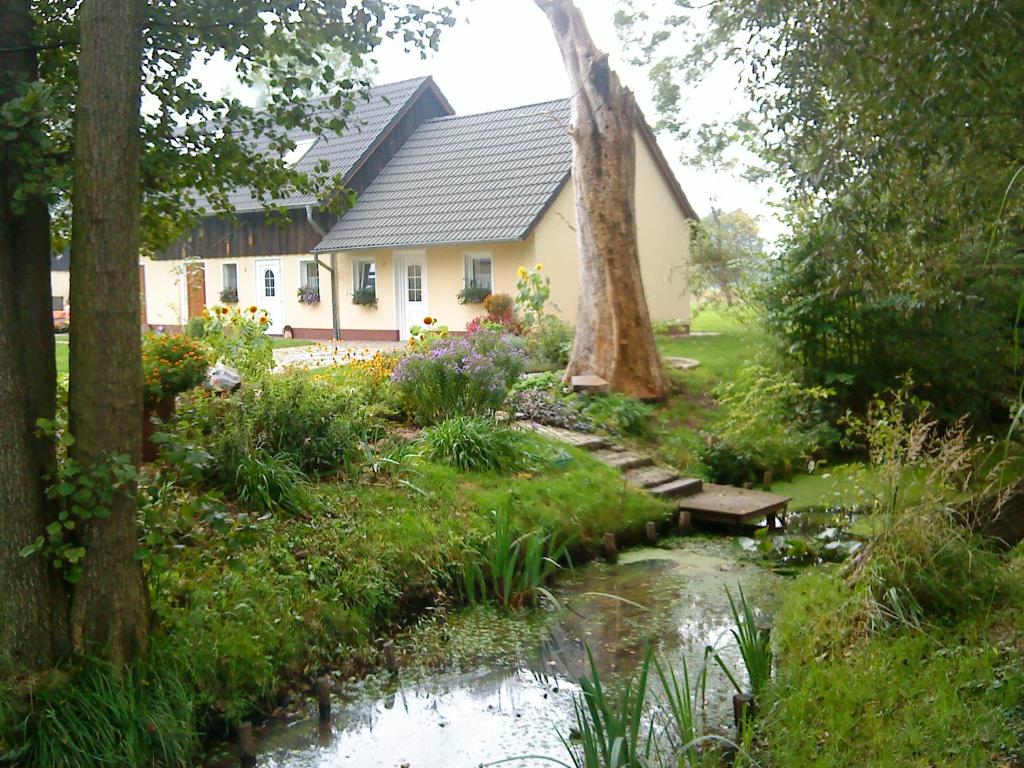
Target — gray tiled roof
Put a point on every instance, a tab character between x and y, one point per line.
365	123
463	179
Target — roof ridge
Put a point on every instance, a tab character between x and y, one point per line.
496	111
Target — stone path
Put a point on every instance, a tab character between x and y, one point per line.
324	353
706	503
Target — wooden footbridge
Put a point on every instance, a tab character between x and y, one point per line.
704	502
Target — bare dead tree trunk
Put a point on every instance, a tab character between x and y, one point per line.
33	596
614	338
109	612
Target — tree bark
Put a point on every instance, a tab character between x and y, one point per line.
109	610
614	339
34	602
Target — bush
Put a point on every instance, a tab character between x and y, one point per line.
499	306
620	414
171	364
550	341
479	444
238	338
924	562
727	464
457	376
765	416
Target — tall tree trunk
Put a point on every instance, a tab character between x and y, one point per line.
614	338
33	596
109	610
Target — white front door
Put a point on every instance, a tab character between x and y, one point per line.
270	292
411	288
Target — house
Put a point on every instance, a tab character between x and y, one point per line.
444	201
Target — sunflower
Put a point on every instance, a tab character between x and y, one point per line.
264	320
521	271
540	267
428	320
253	309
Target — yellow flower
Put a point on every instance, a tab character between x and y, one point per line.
264	320
522	271
540	267
252	309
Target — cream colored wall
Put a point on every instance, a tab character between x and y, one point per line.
165	292
445	278
663	236
60	285
554	246
166	303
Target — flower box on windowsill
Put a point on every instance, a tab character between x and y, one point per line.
364	297
309	295
229	296
473	295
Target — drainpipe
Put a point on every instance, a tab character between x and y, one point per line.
332	269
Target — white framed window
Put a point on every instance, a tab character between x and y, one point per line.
479	272
364	275
229	277
309	275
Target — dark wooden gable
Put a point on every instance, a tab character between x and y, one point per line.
261	234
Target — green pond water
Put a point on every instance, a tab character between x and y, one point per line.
514	703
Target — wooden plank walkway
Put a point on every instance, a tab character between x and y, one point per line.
704	502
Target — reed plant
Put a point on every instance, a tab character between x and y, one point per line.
513	567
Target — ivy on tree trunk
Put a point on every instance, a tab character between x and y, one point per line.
109	613
34	603
614	339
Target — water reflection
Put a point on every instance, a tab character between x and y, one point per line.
676	600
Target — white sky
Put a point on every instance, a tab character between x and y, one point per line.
502	53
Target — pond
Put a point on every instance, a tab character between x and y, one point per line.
516	705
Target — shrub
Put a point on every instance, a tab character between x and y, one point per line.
478	444
270	482
499	306
768	417
620	414
924	562
171	363
238	338
546	407
727	464
452	376
550	341
308	416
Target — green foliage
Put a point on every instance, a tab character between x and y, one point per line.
499	306
269	482
473	294
450	376
171	364
924	563
510	568
550	341
135	717
754	642
904	181
238	338
480	444
78	493
619	414
545	406
727	257
766	421
532	293
366	297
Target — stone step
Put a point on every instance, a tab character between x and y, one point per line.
649	477
622	460
681	486
569	437
590	384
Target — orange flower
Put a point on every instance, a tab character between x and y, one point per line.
428	320
253	309
264	320
224	310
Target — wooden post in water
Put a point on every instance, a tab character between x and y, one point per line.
742	711
685	519
610	550
246	746
323	697
652	532
390	662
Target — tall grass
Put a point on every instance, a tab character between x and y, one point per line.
480	444
513	567
140	716
754	643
